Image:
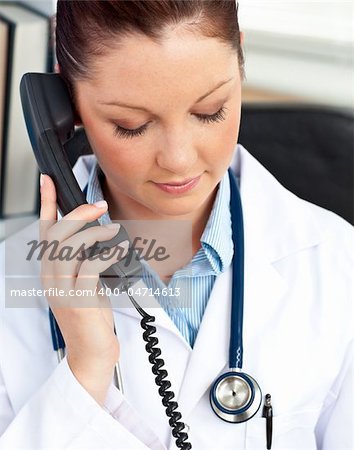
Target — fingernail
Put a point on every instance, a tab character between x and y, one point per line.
41	180
101	204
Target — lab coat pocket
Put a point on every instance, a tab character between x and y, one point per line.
290	431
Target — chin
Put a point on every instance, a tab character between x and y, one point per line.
176	208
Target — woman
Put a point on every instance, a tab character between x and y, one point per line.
157	86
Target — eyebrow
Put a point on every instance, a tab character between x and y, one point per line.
213	90
140	108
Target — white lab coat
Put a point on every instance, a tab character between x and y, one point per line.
298	345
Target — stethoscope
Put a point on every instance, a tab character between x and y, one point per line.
234	396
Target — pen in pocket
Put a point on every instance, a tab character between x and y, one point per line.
268	414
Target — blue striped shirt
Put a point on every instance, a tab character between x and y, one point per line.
195	280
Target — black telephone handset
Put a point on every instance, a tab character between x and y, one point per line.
49	119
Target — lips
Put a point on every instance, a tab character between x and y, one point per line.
179	183
179	187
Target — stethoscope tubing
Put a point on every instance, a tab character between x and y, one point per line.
236	327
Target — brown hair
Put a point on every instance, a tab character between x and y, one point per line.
84	29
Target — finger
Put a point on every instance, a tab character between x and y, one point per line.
48	211
86	291
69	255
74	221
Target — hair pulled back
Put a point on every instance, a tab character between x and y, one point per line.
86	29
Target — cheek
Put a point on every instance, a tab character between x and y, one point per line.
121	165
114	155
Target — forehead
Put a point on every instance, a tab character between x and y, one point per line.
182	61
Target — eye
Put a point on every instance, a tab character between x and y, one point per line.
216	117
126	133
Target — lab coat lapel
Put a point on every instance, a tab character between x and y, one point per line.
270	212
269	215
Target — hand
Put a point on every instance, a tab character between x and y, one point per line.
91	344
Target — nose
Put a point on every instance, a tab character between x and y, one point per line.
177	154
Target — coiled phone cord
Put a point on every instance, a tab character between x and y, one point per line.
157	364
160	378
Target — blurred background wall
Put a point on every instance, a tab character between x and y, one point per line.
299	50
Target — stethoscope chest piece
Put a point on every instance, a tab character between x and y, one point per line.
235	397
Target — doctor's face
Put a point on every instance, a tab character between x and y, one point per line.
163	121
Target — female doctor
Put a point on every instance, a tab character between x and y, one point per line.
157	86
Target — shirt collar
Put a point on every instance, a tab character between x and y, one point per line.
216	239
